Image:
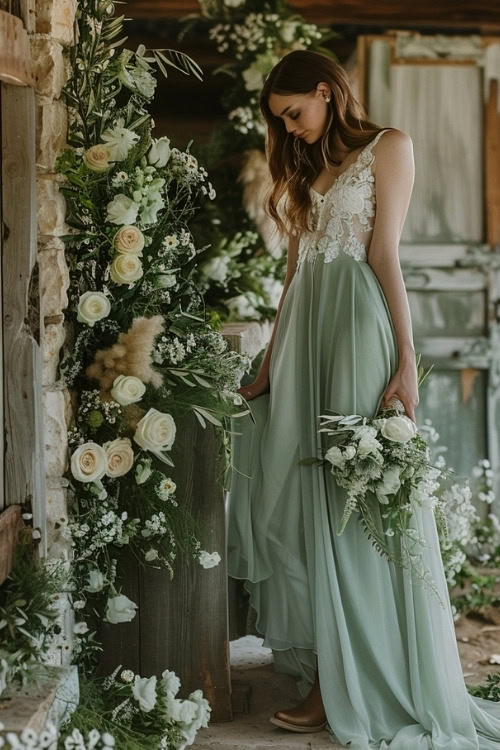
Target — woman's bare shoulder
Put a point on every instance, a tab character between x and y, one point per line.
394	148
392	140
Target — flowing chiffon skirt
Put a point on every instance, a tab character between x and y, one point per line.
385	648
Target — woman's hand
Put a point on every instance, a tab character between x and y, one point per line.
260	385
404	385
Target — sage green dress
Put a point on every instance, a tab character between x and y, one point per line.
385	648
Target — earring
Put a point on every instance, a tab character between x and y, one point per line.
327	98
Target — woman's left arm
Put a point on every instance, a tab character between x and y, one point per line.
394	177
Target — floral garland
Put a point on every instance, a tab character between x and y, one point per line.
142	353
241	276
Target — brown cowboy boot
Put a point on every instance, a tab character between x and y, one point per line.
308	716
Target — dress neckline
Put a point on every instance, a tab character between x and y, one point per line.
352	164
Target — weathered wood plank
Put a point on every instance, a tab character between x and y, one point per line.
121	642
492	166
11	524
22	390
184	622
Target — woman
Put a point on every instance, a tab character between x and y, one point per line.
375	657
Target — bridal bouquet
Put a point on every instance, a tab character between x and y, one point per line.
384	463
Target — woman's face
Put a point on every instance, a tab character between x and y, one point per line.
305	115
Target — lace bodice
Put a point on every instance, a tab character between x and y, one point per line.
342	219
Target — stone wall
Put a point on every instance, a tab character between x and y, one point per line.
50	42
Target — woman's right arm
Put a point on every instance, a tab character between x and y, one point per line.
261	382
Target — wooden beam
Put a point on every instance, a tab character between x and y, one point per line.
447	13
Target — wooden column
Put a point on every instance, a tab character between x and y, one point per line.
492	166
182	624
23	455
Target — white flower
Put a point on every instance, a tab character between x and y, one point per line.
120	457
165	280
80	628
166	488
349	452
159	153
122	210
93	306
171	682
150	207
288	31
120	609
368	442
144	691
180	710
127	675
119	141
494	659
204	708
88	462
156	431
389	484
95	581
209	559
399	429
143	471
126	269
216	268
129	239
334	456
97	158
151	554
127	389
233	3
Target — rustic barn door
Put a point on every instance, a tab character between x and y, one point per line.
443	92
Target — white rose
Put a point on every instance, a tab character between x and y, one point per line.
159	153
97	158
122	210
143	471
95	581
88	462
144	691
334	456
156	431
93	306
126	269
120	457
120	609
171	682
209	559
127	389
389	484
399	429
129	239
151	554
180	710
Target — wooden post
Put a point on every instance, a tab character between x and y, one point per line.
22	389
182	624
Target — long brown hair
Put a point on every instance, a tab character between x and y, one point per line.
293	163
